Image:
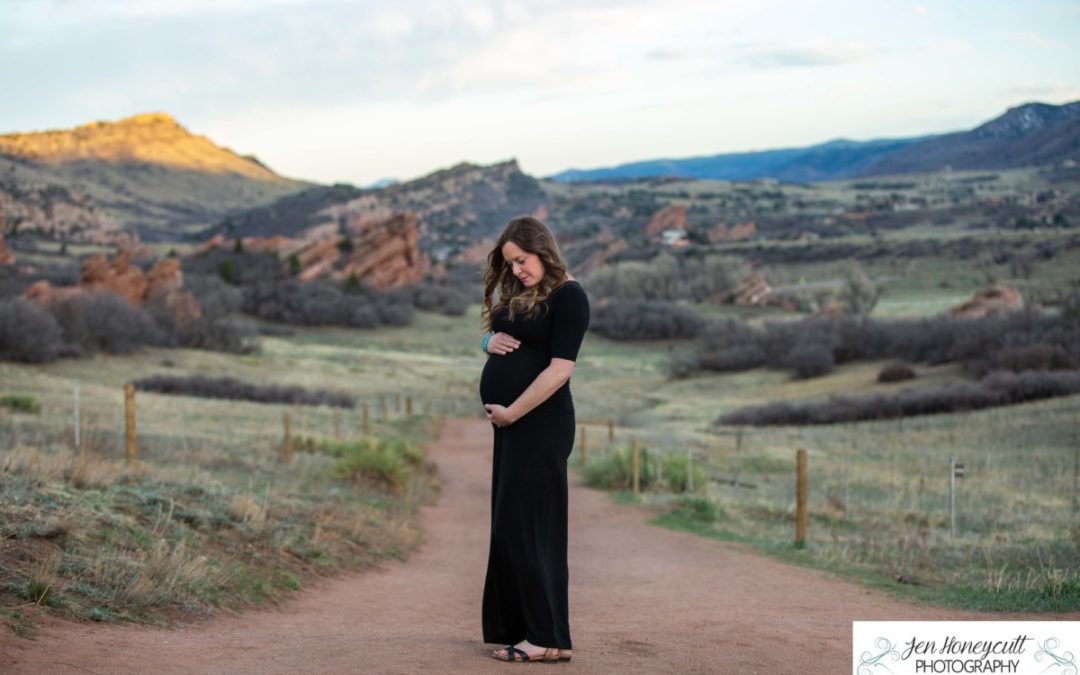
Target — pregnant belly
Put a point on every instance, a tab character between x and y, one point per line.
505	377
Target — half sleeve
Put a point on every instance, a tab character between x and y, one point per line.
570	320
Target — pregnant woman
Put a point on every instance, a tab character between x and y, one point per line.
535	325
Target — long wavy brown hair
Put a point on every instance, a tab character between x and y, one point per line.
532	236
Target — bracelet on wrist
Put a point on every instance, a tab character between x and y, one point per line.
484	342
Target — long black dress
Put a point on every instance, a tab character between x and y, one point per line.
525	592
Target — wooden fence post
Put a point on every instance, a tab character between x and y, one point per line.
610	431
800	497
689	470
397	402
286	441
635	452
78	444
367	420
408	406
129	422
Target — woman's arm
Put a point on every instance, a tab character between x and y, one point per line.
546	383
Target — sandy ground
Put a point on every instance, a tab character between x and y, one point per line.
643	599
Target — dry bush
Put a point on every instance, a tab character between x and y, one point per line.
1002	388
896	372
79	470
231	388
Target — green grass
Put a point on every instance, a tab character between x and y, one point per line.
20	403
208	517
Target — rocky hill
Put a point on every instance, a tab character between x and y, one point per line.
146	174
1035	134
453	207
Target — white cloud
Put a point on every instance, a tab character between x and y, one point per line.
808	54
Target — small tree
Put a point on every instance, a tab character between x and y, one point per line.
859	294
226	271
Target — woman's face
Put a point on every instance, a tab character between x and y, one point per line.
527	267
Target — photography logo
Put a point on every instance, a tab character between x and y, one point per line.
1026	647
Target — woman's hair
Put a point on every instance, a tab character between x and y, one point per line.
531	236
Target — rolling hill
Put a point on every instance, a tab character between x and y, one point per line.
146	174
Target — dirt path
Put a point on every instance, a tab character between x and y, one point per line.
642	600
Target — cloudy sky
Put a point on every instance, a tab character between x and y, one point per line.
354	91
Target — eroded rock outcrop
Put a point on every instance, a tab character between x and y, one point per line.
668	218
382	250
753	290
163	285
994	300
737	232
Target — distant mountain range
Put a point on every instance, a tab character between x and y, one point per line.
1034	134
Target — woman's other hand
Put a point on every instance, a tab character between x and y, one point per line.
499	415
502	343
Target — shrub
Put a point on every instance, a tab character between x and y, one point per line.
896	372
1002	388
106	322
809	360
219	327
231	388
614	471
675	473
859	295
20	403
28	333
645	320
702	509
666	277
1019	341
387	463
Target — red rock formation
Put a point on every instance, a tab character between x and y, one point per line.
477	253
736	232
600	258
994	300
45	294
216	241
385	250
165	285
318	258
119	277
162	284
6	256
754	290
667	218
385	254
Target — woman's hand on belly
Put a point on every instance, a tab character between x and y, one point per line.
499	415
502	343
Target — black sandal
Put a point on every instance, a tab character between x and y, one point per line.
512	655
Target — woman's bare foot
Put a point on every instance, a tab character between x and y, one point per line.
535	653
